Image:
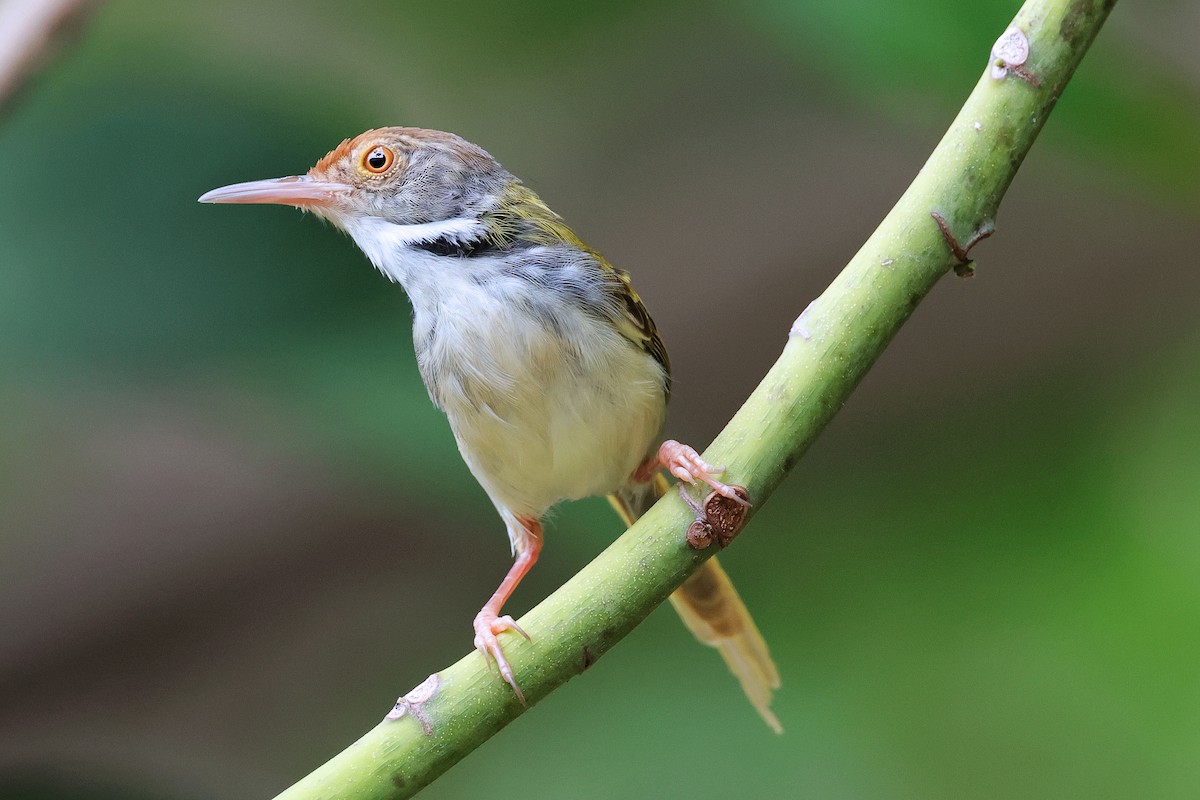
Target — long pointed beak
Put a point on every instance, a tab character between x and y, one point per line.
298	190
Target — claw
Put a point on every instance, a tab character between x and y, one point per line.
487	628
517	628
686	464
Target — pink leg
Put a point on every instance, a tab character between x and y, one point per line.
686	464
488	622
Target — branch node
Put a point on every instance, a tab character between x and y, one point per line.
727	516
718	518
799	327
1009	54
699	535
965	267
412	702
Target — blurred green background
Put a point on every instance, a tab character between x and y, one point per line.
233	529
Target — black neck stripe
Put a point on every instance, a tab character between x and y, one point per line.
446	246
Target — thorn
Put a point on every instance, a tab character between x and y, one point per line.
965	266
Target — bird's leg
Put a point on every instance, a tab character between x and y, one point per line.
686	465
527	541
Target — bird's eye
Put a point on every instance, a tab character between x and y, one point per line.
378	159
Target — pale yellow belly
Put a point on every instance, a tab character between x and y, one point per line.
542	421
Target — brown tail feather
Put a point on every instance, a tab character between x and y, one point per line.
712	610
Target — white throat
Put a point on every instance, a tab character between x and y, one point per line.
390	246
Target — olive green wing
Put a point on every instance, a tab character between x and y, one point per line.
523	216
637	325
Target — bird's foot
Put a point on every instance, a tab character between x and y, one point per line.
488	627
686	464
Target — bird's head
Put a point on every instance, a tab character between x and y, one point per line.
403	193
421	181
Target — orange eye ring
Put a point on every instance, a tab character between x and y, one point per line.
378	159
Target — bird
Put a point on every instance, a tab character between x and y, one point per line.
548	366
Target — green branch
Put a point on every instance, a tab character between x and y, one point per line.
832	345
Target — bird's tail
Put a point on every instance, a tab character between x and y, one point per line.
713	611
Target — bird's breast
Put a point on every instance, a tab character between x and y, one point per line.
548	401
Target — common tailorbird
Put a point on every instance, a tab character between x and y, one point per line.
543	357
